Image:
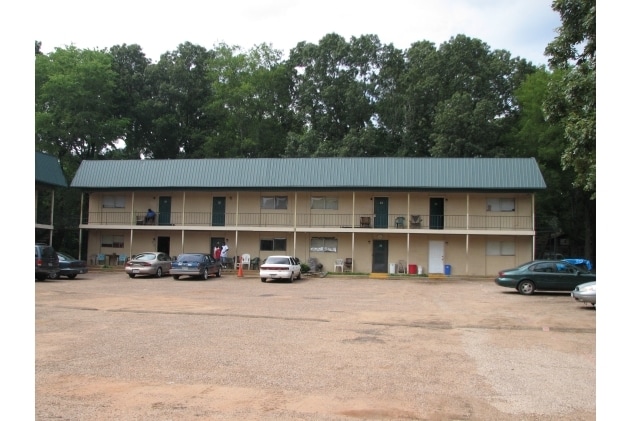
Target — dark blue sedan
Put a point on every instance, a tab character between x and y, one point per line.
195	265
544	275
70	267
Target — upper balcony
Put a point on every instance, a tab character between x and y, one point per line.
309	222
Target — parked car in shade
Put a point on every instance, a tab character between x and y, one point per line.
70	267
585	293
544	275
195	265
46	262
150	263
280	267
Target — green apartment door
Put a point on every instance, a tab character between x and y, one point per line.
380	256
436	213
381	212
164	210
219	212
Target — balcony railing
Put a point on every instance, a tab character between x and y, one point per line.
314	220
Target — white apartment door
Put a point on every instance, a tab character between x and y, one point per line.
436	257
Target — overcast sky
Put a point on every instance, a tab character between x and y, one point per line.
523	27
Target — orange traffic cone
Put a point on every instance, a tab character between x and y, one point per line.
240	272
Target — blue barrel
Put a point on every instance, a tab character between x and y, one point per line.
447	270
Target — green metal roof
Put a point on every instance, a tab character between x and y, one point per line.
48	170
514	174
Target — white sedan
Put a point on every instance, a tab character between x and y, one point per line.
280	267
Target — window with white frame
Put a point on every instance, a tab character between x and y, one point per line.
273	244
113	201
323	245
322	202
500	204
274	202
500	248
113	241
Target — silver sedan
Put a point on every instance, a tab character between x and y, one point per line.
149	263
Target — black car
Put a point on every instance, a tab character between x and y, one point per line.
197	265
70	267
544	275
46	262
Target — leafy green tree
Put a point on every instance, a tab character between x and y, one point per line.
332	88
179	92
75	112
131	100
573	99
250	103
476	107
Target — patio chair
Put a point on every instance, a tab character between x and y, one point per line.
255	262
122	259
245	261
399	221
348	264
364	221
339	263
415	221
100	258
403	267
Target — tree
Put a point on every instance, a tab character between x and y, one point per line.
250	103
75	112
574	96
476	106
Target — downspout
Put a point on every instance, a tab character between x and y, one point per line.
80	230
466	267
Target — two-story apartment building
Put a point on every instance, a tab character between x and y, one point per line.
48	177
473	215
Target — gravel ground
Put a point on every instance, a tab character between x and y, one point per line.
112	348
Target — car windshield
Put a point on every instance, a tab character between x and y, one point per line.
277	261
185	258
146	256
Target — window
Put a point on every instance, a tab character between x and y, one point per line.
320	202
274	202
113	201
323	244
114	241
274	244
500	205
500	248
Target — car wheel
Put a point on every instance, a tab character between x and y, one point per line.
218	274
526	287
41	277
299	275
262	279
54	275
205	274
159	273
74	275
291	278
132	275
176	277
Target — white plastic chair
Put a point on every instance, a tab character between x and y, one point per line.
245	261
339	263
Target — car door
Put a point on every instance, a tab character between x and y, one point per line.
543	274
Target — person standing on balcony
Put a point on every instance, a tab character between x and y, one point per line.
150	217
224	255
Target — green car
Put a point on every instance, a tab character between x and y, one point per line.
544	275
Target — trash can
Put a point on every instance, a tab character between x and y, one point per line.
393	268
412	270
447	270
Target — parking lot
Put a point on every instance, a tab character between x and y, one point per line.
334	348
